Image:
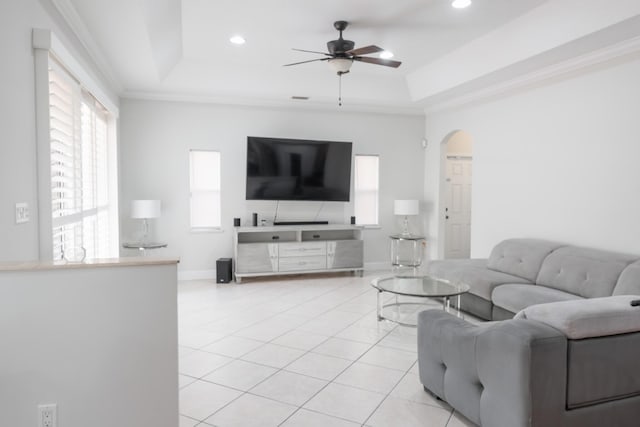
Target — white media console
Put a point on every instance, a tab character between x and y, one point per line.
267	251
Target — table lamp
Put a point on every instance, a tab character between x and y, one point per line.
145	210
406	208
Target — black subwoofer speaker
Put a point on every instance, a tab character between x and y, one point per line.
224	270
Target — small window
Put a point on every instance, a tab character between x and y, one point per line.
366	189
205	189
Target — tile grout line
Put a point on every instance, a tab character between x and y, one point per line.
279	369
342	302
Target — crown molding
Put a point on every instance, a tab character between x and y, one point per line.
354	106
77	25
547	74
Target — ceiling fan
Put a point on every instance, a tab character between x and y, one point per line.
342	54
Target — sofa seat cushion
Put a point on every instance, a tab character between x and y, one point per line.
473	273
589	273
587	318
520	257
517	297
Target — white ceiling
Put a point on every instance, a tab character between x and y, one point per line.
180	48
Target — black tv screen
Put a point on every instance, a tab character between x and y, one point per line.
295	169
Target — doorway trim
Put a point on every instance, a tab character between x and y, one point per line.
450	149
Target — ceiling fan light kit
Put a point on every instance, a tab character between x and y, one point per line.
341	65
342	54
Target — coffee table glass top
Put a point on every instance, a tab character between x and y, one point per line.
419	286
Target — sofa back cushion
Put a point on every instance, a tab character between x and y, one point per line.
589	273
629	281
520	257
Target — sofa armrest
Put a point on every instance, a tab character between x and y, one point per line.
500	374
446	359
522	366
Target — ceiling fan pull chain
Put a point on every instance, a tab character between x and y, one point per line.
339	89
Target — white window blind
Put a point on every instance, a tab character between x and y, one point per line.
366	189
204	167
79	168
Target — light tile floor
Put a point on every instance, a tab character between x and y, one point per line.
298	351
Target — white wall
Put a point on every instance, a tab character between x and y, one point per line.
558	161
156	138
100	342
18	173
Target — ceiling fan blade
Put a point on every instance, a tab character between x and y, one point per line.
311	51
364	50
378	61
304	62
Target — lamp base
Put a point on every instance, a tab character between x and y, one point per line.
145	231
405	226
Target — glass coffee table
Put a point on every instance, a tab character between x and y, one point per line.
415	286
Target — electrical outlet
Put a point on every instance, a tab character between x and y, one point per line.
47	415
22	213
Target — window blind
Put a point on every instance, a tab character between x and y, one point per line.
79	167
366	189
204	170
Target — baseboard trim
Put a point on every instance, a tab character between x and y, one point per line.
211	274
196	275
376	266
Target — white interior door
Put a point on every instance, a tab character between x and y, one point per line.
458	208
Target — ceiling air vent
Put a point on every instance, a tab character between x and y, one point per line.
300	98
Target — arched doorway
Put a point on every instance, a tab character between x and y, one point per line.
456	170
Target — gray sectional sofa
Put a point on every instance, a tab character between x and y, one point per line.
568	359
526	373
523	272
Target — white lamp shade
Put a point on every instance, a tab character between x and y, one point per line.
145	208
406	207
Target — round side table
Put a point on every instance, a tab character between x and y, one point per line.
144	246
407	250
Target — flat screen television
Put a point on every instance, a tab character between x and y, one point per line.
296	169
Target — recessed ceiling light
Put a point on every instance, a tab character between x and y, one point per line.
386	54
461	4
237	40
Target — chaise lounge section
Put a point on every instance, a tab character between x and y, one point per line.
563	364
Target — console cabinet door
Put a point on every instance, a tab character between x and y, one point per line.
345	254
257	258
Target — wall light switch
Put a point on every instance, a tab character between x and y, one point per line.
22	213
